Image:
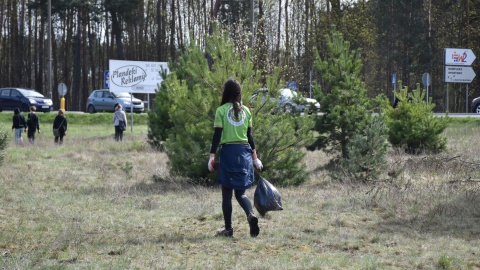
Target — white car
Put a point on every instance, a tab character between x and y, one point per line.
291	101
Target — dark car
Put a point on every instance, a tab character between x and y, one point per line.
23	98
476	105
105	101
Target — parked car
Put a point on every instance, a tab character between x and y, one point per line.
23	98
105	101
290	101
476	105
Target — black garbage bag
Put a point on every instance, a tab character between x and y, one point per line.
266	197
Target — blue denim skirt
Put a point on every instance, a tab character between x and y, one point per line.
236	168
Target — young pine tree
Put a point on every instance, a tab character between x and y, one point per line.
347	108
412	126
347	125
185	109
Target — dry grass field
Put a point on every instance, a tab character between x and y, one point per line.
97	204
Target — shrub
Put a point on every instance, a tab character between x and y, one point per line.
412	126
367	152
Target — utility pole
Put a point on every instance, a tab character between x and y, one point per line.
49	41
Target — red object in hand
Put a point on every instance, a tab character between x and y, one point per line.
25	130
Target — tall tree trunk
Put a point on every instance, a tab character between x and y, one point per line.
180	28
160	31
287	37
41	58
67	52
93	66
13	44
172	31
29	48
84	89
214	15
77	69
279	31
55	79
20	55
117	32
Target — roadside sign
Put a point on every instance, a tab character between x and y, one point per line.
459	57
458	74
394	78
106	79
426	79
62	89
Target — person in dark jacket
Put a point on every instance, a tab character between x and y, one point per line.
18	125
33	124
60	127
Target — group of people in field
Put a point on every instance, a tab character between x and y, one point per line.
31	126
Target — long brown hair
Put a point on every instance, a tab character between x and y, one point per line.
232	92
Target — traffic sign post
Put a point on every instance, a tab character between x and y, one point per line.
62	91
426	81
458	69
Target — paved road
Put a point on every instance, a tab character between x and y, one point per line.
473	115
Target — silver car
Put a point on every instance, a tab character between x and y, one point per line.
106	101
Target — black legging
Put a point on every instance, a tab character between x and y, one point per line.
118	134
242	199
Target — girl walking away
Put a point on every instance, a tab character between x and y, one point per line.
33	125
18	125
59	127
119	122
233	131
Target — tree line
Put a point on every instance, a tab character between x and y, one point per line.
402	37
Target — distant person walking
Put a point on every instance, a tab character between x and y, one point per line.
18	125
119	122
233	131
33	124
60	127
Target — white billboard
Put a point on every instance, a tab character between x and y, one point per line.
135	76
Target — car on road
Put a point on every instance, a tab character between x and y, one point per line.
290	101
476	105
23	98
103	100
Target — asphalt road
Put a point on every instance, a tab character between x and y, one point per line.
473	115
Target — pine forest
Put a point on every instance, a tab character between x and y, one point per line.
402	37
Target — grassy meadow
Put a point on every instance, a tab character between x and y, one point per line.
93	203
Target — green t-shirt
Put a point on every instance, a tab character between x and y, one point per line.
233	130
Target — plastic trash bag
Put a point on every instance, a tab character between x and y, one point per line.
266	197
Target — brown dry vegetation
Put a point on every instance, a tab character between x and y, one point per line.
96	204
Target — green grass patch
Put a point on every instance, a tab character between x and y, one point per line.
93	203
